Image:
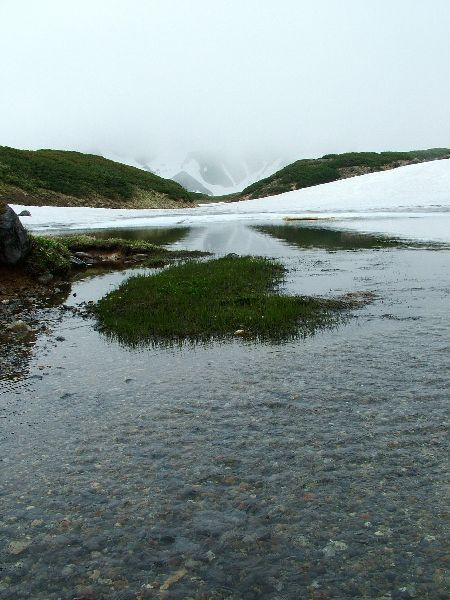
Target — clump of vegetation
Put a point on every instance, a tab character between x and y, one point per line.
83	176
198	301
47	255
331	167
53	255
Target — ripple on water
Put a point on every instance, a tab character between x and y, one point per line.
309	469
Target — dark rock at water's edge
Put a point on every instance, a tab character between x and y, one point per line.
14	240
25	213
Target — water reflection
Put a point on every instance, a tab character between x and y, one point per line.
161	236
305	327
310	236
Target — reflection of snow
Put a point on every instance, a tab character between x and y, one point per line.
412	201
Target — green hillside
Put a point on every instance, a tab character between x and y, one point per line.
331	167
63	178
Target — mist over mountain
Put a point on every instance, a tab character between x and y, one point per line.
208	172
168	84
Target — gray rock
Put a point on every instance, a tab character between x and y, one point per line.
25	213
77	262
18	546
333	547
19	327
14	240
83	255
87	259
139	256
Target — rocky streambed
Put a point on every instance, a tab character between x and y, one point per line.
313	468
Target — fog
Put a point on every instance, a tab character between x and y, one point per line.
293	77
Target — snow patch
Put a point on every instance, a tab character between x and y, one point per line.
411	201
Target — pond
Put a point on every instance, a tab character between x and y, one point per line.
312	468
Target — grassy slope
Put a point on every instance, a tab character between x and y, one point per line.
199	301
331	167
62	178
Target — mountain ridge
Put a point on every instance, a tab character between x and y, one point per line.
332	167
66	178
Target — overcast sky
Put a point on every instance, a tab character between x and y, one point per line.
302	77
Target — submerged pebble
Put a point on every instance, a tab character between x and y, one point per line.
313	468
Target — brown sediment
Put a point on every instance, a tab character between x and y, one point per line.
16	282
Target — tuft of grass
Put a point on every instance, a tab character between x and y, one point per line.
47	255
201	301
156	254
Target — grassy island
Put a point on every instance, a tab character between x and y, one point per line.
199	301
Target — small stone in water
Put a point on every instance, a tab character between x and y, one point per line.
18	546
37	522
19	327
173	579
334	546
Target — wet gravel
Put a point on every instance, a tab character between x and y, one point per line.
310	469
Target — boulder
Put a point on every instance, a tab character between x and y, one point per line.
14	240
25	213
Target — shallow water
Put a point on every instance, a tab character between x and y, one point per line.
309	469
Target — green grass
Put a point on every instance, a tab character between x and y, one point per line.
82	176
64	178
47	255
309	172
89	243
199	301
52	254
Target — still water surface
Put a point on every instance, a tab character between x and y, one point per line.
308	469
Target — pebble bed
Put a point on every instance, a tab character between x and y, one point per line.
311	469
